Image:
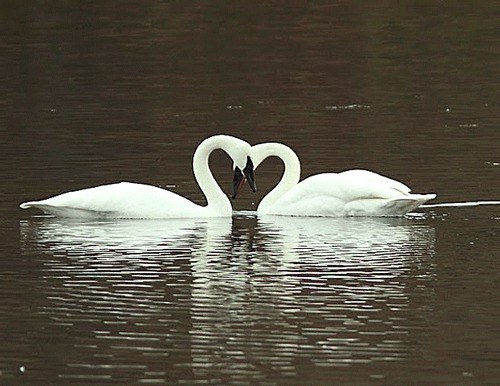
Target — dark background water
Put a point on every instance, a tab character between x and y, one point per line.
99	92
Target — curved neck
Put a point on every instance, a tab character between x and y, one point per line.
291	175
217	201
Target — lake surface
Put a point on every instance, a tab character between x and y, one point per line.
101	92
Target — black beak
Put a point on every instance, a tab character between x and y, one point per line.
239	178
238	181
249	175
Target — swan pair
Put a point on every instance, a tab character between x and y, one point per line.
350	193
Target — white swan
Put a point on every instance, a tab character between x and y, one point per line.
132	200
349	193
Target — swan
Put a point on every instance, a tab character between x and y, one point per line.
349	193
133	200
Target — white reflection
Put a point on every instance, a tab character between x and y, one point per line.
338	291
237	296
119	259
346	242
59	234
123	285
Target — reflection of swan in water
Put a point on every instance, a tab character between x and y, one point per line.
348	236
132	200
268	292
125	286
349	193
129	236
337	290
367	251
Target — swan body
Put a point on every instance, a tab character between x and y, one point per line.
119	200
349	193
132	200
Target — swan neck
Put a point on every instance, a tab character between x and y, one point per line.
217	201
290	177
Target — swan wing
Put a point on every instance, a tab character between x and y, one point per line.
371	178
350	193
350	186
120	200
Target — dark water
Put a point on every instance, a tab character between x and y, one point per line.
99	92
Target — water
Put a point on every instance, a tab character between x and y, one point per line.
96	93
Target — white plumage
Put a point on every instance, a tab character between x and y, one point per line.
132	200
349	193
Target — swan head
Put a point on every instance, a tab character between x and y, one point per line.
258	153
242	174
240	152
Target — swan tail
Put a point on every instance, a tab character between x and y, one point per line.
383	207
401	206
28	204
